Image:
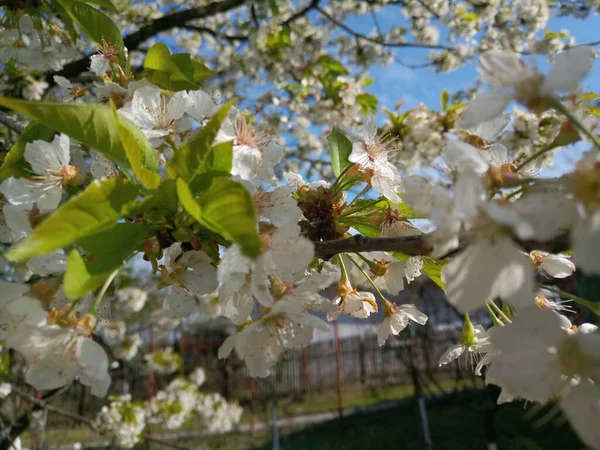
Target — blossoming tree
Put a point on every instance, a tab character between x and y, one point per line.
126	155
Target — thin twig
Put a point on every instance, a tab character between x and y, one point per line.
55	409
377	41
11	123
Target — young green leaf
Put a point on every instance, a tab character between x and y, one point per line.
433	269
141	154
226	208
92	125
14	165
103	3
93	210
218	163
106	252
173	72
445	100
189	157
97	25
340	148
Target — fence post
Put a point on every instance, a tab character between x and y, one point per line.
361	359
305	372
252	388
340	370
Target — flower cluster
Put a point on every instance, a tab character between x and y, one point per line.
180	402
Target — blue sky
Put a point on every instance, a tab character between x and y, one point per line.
412	86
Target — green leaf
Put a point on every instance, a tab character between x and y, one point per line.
107	251
433	269
93	210
193	69
173	72
14	165
367	230
368	103
5	374
189	157
97	25
218	163
587	96
139	151
226	208
445	99
92	125
103	3
340	148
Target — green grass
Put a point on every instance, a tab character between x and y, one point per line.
456	424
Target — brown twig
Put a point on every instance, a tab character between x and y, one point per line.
134	40
415	245
11	123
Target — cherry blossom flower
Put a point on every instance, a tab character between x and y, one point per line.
397	318
514	80
372	156
549	265
51	172
155	114
255	154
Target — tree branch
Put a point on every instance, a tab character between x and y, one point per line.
415	245
133	40
377	41
215	34
11	123
301	13
45	405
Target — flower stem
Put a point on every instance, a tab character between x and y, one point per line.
366	275
560	107
536	155
497	322
594	306
340	261
500	312
340	176
360	194
105	286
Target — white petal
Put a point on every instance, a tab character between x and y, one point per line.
394	277
491	129
461	156
384	331
48	264
487	270
271	156
451	354
413	314
484	107
586	243
245	161
557	266
469	193
568	69
582	406
370	130
201	105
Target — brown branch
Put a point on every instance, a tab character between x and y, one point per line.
415	245
45	405
133	40
215	34
11	123
377	41
301	13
